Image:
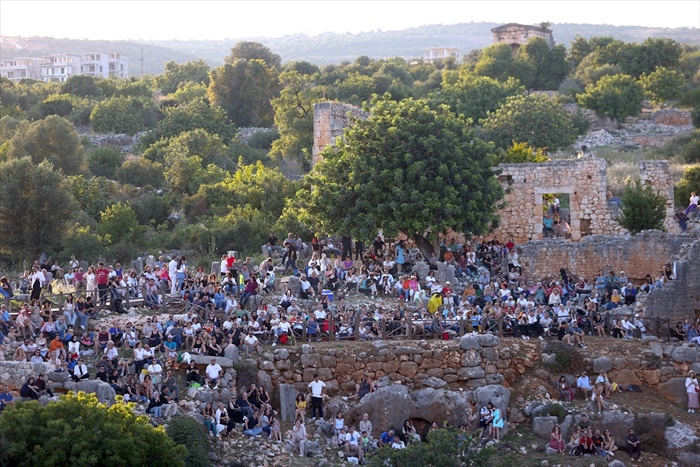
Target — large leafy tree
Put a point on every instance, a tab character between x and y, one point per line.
497	62
243	89
79	430
616	97
36	207
407	168
123	115
549	64
642	208
253	51
535	119
474	96
176	74
663	85
294	112
53	139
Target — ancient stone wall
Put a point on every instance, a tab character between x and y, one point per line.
672	117
644	253
657	175
330	120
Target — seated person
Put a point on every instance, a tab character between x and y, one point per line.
583	383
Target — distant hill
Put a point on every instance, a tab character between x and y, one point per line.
326	48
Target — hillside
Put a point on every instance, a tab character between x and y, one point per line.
326	48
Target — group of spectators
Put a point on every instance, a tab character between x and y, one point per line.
586	440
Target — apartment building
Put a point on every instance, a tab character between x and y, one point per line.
59	67
441	53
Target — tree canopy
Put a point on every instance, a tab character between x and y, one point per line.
406	168
79	430
642	208
616	97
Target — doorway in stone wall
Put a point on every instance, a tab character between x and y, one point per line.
556	212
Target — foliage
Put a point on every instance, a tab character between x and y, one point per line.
253	51
690	182
497	62
567	359
81	86
151	208
663	85
140	172
79	430
616	97
642	208
637	59
57	104
534	119
549	64
188	116
191	434
520	153
243	89
176	75
93	195
104	161
474	96
118	223
557	410
684	148
406	168
651	432
443	448
122	115
36	207
53	139
294	109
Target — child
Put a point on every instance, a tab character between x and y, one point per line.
275	432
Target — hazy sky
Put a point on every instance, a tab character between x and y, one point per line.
133	19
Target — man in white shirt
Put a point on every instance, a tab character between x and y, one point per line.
172	273
251	343
352	443
584	384
80	371
155	370
628	327
317	388
213	371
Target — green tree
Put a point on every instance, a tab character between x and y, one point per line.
93	195
642	208
118	223
616	97
520	153
104	161
663	85
253	51
138	171
177	75
57	104
188	116
193	436
120	115
406	168
81	86
53	139
79	430
497	62
181	172
475	96
549	64
444	448
36	207
294	112
534	119
244	89
690	182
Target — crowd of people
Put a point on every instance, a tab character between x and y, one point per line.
489	290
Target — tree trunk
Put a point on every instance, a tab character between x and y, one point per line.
426	247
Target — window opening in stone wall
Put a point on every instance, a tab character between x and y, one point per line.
556	215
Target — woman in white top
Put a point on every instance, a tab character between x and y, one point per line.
694	199
299	436
91	282
692	387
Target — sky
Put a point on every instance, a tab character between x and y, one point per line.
207	20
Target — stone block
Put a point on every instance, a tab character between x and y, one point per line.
684	354
288	394
602	364
674	390
542	426
467	373
206	360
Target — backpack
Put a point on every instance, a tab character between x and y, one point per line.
283	338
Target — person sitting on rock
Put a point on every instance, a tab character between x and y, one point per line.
364	387
386	438
352	443
585	442
556	440
485	419
583	383
397	443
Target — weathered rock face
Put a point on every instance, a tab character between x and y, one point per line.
543	426
674	390
680	436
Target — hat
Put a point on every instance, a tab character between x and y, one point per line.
447	282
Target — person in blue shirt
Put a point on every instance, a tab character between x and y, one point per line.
5	397
548	223
386	438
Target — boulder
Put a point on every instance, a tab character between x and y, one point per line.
379	345
310	360
58	376
313	448
489	340
689	459
680	436
387	406
684	354
441	405
471	358
674	390
614	420
624	377
204	396
231	352
104	392
434	382
467	373
656	349
696	368
602	364
542	426
281	354
470	342
617	463
294	285
407	350
265	381
516	415
497	394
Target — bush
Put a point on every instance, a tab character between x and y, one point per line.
193	436
557	410
246	374
567	358
642	208
651	432
105	161
689	182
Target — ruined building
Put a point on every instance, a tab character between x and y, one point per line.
517	35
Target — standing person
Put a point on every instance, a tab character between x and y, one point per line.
400	256
692	387
318	388
172	274
634	447
37	282
359	250
102	275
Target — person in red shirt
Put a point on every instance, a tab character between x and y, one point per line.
102	274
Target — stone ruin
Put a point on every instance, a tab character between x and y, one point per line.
330	120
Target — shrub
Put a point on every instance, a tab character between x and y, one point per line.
558	411
246	374
651	432
567	359
642	208
193	436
